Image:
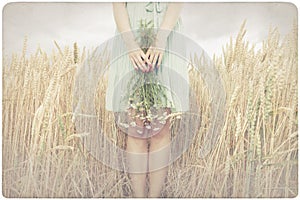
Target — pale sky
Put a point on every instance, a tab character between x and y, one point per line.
90	24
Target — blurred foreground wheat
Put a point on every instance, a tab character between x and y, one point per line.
256	155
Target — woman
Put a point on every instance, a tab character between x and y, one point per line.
154	59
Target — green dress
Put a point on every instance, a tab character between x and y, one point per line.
173	73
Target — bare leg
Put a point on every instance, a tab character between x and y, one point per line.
138	180
137	145
157	177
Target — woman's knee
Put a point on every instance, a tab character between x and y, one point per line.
137	144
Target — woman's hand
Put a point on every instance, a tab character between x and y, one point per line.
135	53
139	60
155	55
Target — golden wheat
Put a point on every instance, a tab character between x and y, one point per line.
255	156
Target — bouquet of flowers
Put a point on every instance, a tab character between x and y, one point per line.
145	92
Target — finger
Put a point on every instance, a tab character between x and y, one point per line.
142	65
152	53
149	57
148	52
159	60
155	59
145	58
148	64
151	60
134	64
142	62
151	66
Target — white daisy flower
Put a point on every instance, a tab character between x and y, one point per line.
162	122
124	125
133	124
148	127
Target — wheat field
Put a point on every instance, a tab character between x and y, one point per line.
255	156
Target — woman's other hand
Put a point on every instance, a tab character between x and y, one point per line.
156	51
155	55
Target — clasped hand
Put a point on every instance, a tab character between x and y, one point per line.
146	62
